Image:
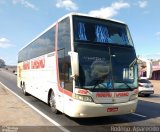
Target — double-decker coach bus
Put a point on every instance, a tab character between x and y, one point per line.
82	66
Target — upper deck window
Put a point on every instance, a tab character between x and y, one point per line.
93	30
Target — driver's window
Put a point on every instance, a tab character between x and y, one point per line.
64	46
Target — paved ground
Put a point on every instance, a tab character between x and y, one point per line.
156	84
14	112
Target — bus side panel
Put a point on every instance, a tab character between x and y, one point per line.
46	78
38	80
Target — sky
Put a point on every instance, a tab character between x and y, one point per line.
22	20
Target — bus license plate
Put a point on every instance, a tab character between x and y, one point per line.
112	109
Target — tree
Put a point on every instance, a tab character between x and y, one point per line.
2	63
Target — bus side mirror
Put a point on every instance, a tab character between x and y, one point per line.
74	63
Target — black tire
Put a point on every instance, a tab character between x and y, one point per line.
24	90
52	103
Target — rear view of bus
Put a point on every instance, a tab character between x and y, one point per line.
82	66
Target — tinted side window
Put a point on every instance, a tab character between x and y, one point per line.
23	54
64	46
64	40
42	45
20	57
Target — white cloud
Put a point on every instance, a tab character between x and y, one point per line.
158	34
25	3
67	4
110	11
5	43
142	4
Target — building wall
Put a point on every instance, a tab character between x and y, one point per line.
156	75
156	70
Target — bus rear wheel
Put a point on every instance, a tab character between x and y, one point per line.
52	103
24	90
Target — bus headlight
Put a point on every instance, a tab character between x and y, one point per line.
133	97
85	98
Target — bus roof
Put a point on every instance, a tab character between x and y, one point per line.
65	16
87	15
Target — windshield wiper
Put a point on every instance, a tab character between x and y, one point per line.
99	81
133	62
129	87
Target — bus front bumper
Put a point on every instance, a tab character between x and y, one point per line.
90	109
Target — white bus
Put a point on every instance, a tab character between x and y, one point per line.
82	66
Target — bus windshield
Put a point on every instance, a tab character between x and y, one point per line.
107	59
124	67
94	66
101	69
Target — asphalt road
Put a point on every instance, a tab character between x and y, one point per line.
146	117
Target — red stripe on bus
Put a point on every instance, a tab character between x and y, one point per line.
56	54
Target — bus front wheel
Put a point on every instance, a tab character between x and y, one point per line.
52	103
